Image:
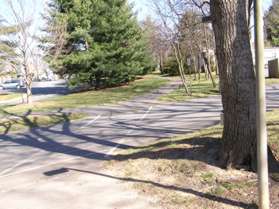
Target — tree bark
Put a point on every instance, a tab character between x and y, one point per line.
28	94
195	67
180	63
28	83
207	67
237	81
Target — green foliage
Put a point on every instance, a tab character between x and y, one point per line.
170	67
272	23
7	48
115	48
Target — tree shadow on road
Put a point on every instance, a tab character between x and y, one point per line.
202	148
42	137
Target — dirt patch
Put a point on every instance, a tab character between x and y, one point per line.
184	173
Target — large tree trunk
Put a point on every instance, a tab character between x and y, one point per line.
237	81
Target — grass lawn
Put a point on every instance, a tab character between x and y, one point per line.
9	96
91	98
270	81
183	172
200	88
49	112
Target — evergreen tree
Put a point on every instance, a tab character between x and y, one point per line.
7	47
103	45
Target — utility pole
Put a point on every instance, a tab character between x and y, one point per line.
262	166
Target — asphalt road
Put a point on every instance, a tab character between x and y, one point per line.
40	91
108	128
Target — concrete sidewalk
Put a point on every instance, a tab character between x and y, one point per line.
79	188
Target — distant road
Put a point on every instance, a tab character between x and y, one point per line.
40	91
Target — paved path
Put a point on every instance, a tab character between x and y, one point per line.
40	91
83	145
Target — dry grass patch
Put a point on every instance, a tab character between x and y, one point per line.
184	172
271	81
273	132
9	96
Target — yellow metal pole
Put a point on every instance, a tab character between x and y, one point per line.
262	166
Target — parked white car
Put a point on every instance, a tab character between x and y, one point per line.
13	84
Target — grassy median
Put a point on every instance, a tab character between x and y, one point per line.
199	88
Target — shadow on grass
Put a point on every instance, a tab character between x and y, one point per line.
173	188
204	149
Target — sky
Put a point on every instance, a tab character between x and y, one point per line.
267	3
34	8
142	8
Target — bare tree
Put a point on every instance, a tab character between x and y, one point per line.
196	37
191	38
159	46
170	20
189	34
25	42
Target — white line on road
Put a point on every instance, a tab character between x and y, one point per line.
6	173
112	150
91	121
147	112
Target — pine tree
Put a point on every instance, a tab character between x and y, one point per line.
103	45
7	47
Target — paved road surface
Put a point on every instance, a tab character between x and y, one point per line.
84	144
40	91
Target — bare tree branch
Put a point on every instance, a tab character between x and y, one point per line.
25	42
